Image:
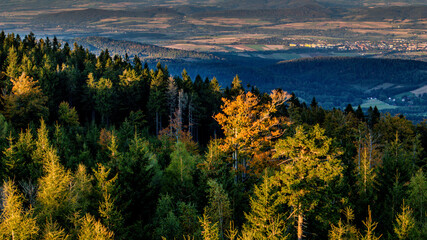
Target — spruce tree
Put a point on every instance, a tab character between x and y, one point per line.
311	163
265	221
219	207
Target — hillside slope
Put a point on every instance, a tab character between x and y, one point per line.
143	51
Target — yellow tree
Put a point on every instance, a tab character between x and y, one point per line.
250	125
15	222
93	229
26	102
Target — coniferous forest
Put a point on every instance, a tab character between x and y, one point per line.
102	147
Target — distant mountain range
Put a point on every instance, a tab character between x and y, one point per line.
225	5
92	14
305	12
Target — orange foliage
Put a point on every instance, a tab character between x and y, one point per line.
250	126
104	138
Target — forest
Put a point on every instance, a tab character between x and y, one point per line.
103	147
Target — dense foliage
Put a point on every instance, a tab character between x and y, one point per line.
98	147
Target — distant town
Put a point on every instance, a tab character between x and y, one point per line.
401	45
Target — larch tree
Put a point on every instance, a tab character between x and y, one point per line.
370	226
344	230
310	163
250	126
368	158
93	229
55	196
210	230
236	86
405	223
15	221
26	102
52	231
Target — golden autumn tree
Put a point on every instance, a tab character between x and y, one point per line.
26	102
250	126
15	221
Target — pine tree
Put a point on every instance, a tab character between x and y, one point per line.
15	222
188	218
359	114
349	109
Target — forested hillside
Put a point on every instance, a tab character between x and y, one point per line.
103	147
143	51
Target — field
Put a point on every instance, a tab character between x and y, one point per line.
379	104
420	91
207	28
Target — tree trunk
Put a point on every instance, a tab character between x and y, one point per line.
157	123
300	223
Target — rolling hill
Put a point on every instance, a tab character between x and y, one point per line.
92	15
146	52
